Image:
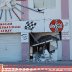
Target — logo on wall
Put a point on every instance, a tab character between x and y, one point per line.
24	36
56	25
30	25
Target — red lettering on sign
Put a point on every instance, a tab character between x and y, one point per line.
56	25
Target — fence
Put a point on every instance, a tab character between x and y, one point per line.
30	68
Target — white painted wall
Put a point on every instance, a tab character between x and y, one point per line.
14	18
49	14
70	28
59	51
42	25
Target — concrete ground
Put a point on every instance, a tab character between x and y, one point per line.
50	63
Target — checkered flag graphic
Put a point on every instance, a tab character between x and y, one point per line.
30	25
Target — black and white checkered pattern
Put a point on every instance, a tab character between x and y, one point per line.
30	25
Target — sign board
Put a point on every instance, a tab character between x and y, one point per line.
8	27
56	25
66	31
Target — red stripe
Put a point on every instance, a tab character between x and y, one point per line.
25	16
65	9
